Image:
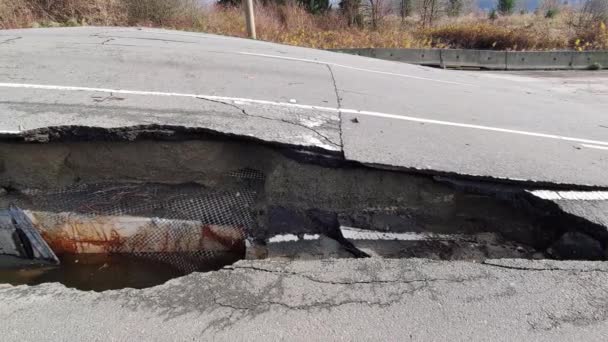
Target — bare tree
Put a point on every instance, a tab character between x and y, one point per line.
454	7
593	12
351	11
405	8
376	11
429	12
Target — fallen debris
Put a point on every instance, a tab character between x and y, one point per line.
22	242
577	246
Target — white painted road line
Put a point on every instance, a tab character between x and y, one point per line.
314	61
571	195
363	234
481	127
160	93
596	147
309	107
292	238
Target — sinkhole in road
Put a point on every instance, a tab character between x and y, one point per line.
107	213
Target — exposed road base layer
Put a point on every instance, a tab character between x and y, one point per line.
302	191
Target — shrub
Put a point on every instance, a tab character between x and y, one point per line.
19	13
158	12
489	36
506	6
454	7
493	15
15	14
595	66
551	13
593	11
593	37
315	6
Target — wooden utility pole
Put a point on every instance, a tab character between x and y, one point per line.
250	19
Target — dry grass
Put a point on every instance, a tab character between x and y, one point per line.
15	14
293	25
481	34
518	32
27	13
592	38
290	24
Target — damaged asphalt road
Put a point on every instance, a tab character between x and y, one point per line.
363	299
535	132
493	126
325	131
292	126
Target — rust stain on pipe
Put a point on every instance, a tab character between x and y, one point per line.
70	233
62	243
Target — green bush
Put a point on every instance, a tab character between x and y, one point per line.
551	13
595	66
315	6
506	6
493	15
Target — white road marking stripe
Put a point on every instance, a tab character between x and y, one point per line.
351	67
571	195
481	127
159	93
593	146
292	238
546	194
362	234
301	106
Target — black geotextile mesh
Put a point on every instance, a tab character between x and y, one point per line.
225	214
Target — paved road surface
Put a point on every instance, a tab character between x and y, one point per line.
380	112
500	125
345	299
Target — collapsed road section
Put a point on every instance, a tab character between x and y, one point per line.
108	204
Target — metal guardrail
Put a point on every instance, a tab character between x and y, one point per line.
489	59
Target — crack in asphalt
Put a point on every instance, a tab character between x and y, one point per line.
107	98
10	40
338	101
245	113
354	282
323	305
392	297
100	35
259	305
544	269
